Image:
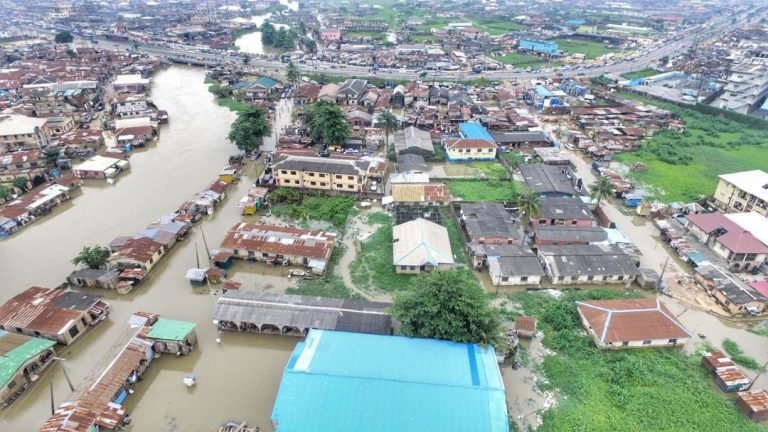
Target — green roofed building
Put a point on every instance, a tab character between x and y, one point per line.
173	336
22	358
352	382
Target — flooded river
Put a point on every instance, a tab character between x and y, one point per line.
237	379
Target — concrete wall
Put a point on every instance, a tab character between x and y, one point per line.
320	181
470	154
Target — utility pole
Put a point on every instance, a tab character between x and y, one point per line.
660	282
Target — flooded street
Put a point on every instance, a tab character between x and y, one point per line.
237	379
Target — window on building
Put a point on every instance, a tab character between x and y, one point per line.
11	384
350	177
560	278
573	222
350	186
264	254
523	278
413	267
311	174
590	278
625	343
74	331
672	341
605	278
322	184
293	172
298	182
339	186
313	183
542	221
19	329
621	277
37	333
647	342
338	177
321	175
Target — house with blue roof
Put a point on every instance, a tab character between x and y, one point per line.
421	245
352	382
475	144
539	46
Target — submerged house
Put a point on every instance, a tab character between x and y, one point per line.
22	359
276	245
295	315
142	253
59	315
338	381
172	336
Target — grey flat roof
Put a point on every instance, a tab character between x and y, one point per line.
488	219
570	233
547	179
564	208
502	138
76	300
515	266
316	164
304	312
578	260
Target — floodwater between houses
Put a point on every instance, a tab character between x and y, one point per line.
237	379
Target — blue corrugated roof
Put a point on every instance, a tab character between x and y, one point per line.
350	382
542	91
475	130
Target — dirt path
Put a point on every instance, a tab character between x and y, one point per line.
358	229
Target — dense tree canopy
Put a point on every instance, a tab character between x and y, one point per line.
92	257
63	37
249	129
327	123
448	305
277	38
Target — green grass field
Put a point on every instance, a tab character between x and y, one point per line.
497	27
636	390
521	60
683	167
492	190
490	169
641	73
588	48
372	35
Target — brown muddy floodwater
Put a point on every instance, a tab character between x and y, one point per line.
237	379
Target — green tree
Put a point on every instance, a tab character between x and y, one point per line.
292	73
423	74
20	183
5	192
63	37
327	123
268	34
246	59
71	53
135	46
388	122
602	188
528	203
448	305
220	91
249	129
51	154
92	257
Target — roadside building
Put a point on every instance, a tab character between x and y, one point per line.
420	245
735	245
520	139
569	235
295	315
412	140
488	223
754	404
348	381
59	315
22	360
340	175
591	264
732	293
538	46
565	211
631	323
280	245
100	167
18	132
549	180
743	191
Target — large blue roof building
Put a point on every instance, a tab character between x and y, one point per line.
350	382
539	46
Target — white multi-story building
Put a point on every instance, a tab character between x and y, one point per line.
745	88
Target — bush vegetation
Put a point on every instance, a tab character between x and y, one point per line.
294	204
738	356
485	190
623	390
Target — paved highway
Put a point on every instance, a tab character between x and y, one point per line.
211	58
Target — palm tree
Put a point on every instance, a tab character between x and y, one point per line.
388	122
327	123
600	189
51	154
92	257
292	73
528	204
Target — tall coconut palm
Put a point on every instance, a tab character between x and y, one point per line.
292	73
600	189
388	122
528	204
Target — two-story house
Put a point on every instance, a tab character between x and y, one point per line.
741	250
743	191
305	172
18	132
